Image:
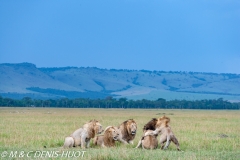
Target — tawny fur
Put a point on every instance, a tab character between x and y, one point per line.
149	141
127	131
69	142
163	128
82	136
149	127
108	138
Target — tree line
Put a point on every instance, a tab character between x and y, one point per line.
110	102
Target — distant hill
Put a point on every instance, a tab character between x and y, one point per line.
25	79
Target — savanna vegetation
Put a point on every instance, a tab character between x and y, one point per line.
110	102
202	134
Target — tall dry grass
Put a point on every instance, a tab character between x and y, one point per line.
203	134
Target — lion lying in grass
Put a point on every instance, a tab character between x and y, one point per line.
108	138
82	136
127	131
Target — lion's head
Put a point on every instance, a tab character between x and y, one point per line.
131	126
98	129
112	133
94	127
151	125
163	121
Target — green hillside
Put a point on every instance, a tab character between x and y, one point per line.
25	79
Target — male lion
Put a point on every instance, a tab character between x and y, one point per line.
163	128
149	141
108	138
127	131
83	135
151	125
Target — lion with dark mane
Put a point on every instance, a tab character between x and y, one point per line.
127	131
155	127
82	136
151	125
148	141
163	128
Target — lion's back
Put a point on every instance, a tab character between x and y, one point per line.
77	133
150	142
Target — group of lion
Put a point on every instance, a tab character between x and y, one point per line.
124	133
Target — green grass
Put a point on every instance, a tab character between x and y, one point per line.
200	132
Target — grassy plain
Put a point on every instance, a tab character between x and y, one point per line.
202	134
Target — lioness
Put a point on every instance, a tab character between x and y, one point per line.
149	141
127	131
83	135
163	128
108	139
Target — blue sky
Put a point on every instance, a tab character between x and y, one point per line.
169	35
